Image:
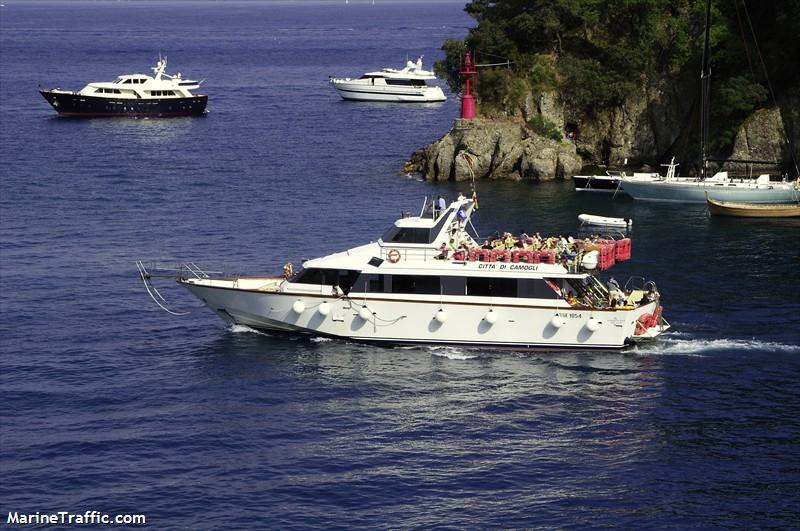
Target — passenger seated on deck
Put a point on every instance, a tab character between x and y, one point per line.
487	244
461	253
443	252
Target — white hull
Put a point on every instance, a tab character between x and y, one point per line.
396	320
362	92
601	221
694	191
408	288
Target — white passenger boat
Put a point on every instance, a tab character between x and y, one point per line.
402	290
132	95
390	84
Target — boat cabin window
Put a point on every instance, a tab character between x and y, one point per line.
397	234
406	82
345	278
529	288
127	81
370	77
535	288
492	287
422	284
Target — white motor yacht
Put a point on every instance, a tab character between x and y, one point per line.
132	95
410	287
390	84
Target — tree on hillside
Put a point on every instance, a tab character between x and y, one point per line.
598	53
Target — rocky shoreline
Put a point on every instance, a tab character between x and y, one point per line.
491	149
506	148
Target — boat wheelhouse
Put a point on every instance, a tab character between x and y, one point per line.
428	281
132	95
392	85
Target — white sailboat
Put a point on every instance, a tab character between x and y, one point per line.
720	186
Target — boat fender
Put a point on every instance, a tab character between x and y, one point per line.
592	324
364	313
441	315
394	256
491	316
557	321
298	307
324	308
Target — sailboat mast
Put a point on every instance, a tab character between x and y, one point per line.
705	94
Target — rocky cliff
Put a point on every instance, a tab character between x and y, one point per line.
646	130
494	149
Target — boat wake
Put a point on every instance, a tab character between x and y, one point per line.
701	347
244	329
452	353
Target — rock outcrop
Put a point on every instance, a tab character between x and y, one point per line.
658	124
762	138
495	150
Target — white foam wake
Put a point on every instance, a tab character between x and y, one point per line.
452	353
699	347
244	329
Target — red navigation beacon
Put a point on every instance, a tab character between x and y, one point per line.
467	100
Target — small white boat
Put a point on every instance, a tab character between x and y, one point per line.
393	85
601	221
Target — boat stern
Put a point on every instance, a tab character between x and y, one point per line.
649	322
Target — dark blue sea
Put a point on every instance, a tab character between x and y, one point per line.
110	404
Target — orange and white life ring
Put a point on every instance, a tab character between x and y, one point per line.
393	256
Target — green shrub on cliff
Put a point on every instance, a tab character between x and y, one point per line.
542	127
598	53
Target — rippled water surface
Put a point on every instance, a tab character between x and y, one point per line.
110	404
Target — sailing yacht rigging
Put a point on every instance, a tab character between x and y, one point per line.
719	186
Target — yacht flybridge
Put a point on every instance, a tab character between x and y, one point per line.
132	95
428	281
393	85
